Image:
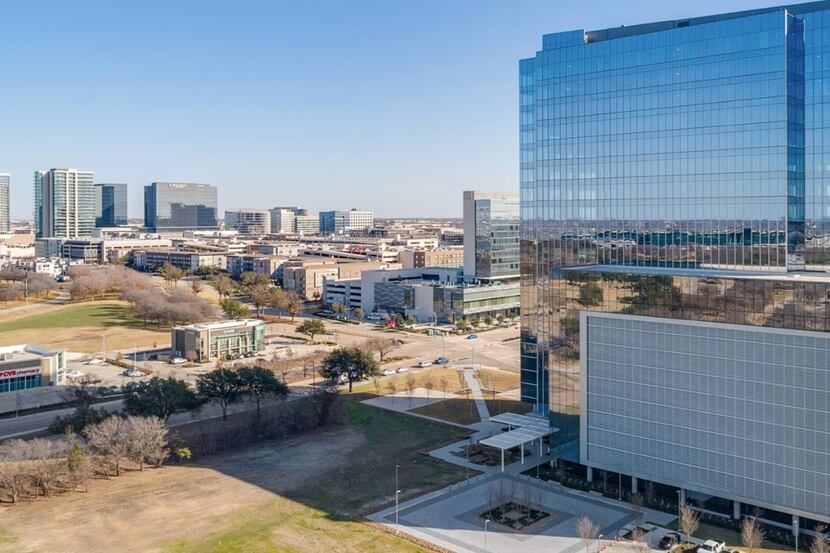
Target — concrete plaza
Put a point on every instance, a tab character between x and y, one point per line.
451	518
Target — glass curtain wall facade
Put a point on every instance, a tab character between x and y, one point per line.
64	203
673	170
110	205
174	207
5	184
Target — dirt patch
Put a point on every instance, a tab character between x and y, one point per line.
143	511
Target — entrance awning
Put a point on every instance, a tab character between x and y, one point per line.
529	429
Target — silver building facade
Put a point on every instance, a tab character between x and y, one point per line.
675	230
178	206
5	217
64	203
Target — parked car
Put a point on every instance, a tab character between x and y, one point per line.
132	373
472	336
424	364
74	374
669	540
402	369
95	361
711	546
178	361
442	361
388	372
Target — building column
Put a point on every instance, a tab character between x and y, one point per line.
736	510
633	485
682	497
590	474
502	460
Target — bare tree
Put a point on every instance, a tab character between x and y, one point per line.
689	521
147	440
819	543
410	386
637	510
382	346
13	472
752	535
587	530
195	286
443	384
46	465
376	384
429	387
639	540
111	439
392	389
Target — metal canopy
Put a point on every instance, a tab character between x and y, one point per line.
529	429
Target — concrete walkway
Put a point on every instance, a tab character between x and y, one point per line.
481	405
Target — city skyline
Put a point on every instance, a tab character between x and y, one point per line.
318	115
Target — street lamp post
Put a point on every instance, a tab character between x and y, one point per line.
486	521
397	526
599	542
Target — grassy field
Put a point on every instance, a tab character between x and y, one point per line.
299	495
462	411
502	381
433	374
78	327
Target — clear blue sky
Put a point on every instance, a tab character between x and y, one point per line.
387	105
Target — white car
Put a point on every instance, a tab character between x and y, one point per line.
402	369
133	374
711	546
424	364
95	361
388	372
75	374
178	361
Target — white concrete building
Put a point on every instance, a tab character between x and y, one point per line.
248	222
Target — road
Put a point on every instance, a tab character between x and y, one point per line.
38	422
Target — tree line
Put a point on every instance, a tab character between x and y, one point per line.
16	283
45	466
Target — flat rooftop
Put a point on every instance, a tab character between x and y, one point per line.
222	325
552	41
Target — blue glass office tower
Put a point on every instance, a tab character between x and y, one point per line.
180	206
675	245
111	205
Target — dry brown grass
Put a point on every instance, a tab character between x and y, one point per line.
421	376
502	381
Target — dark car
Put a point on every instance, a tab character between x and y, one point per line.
442	361
669	540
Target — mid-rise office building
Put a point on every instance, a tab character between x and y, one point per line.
491	236
333	222
5	217
359	219
110	205
177	206
674	235
439	257
248	222
282	220
218	340
64	203
307	225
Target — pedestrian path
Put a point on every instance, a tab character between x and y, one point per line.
481	405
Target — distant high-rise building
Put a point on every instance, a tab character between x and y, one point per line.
359	219
178	206
491	235
251	222
307	224
110	205
5	184
64	203
282	220
333	222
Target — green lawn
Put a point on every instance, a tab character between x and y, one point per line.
99	315
322	515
